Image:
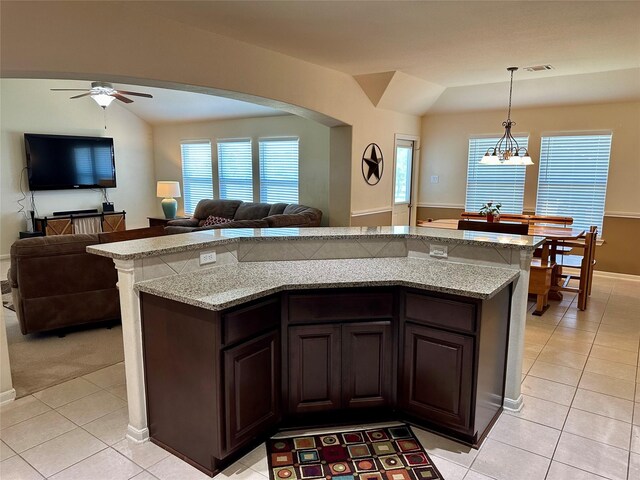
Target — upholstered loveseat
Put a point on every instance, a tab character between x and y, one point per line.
238	214
55	283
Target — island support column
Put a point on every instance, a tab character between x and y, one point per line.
129	272
512	395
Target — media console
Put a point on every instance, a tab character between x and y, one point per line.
63	223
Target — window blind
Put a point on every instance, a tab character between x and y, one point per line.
197	179
279	170
235	170
573	177
498	183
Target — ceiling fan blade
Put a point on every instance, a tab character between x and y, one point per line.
70	90
80	96
146	95
121	98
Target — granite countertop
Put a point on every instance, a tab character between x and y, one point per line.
229	285
149	247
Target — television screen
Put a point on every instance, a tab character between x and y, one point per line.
58	162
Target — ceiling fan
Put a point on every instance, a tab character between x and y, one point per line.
104	93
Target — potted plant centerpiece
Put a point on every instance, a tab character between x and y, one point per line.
492	211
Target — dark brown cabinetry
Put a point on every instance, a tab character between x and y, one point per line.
341	350
212	380
218	382
367	357
314	368
252	388
453	361
436	375
332	367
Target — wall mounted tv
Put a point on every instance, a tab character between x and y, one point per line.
61	162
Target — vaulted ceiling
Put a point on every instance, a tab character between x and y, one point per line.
438	56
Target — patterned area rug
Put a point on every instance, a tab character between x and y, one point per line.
391	453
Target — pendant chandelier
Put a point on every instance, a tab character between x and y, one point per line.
507	151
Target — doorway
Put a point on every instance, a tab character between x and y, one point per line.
403	181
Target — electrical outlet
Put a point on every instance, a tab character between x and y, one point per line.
439	251
207	257
435	179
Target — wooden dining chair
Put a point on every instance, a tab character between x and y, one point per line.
586	266
496	227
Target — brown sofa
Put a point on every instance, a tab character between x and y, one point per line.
247	215
55	283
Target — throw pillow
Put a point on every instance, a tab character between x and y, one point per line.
213	220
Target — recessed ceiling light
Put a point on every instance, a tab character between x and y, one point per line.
538	68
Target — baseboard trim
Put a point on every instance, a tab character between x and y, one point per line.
513	405
621	276
137	435
7	396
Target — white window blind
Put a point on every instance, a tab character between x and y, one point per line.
573	177
498	183
197	179
235	170
279	170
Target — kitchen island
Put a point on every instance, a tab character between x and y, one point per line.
438	295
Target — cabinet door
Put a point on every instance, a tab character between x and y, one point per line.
437	375
252	388
314	368
366	364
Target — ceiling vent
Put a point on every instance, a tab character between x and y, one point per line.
538	68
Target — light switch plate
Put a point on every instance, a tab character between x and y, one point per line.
438	251
435	179
207	257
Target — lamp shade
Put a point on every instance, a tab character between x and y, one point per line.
168	189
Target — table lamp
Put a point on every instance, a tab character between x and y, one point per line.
167	191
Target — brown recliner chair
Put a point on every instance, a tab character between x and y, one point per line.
55	283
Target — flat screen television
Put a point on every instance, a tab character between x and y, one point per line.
61	162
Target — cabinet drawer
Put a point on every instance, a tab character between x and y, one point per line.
340	306
441	312
246	322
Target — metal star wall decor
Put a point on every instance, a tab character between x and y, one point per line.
373	163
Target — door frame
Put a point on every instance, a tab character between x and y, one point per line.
415	174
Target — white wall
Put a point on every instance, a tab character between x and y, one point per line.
170	53
314	150
445	144
28	106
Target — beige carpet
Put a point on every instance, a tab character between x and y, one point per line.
42	360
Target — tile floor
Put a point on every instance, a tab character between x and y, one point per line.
581	419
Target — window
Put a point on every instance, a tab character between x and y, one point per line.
498	183
573	177
235	170
197	180
279	170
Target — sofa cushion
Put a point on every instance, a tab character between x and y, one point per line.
295	208
217	208
298	220
213	220
277	208
260	223
252	211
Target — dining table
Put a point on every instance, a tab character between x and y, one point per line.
555	236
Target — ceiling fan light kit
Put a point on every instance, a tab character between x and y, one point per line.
103	93
507	151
